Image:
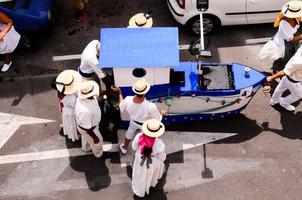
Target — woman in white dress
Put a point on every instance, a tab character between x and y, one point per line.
285	42
67	84
148	166
9	39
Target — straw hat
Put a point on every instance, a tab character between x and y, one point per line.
140	20
88	89
153	128
292	9
141	87
67	82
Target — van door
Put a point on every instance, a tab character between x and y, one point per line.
230	12
263	11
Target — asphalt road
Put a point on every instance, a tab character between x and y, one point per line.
262	162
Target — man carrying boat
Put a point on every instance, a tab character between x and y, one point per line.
139	110
89	68
291	80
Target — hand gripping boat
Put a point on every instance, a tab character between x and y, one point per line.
188	91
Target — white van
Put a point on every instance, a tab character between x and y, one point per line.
225	12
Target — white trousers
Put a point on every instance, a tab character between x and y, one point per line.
133	127
294	88
88	144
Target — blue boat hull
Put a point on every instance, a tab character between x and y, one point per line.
190	102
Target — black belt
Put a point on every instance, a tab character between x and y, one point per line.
139	123
86	75
85	129
292	80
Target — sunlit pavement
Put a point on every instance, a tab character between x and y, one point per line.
263	161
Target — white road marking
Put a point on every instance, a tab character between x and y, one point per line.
42	178
78	56
181	47
66	57
53	154
184	46
257	40
175	141
9	123
37	180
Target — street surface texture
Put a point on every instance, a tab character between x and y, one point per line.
262	159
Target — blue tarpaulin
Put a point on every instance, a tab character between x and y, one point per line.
139	47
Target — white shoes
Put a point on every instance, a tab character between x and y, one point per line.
272	103
287	107
122	149
6	67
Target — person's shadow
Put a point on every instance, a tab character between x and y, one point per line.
95	169
291	128
96	172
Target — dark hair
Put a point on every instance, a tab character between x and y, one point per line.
147	151
53	83
61	95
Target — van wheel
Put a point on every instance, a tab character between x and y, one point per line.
210	24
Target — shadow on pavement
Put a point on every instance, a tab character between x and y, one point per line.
96	172
289	129
95	169
245	127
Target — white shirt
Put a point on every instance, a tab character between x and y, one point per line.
140	112
88	113
89	60
10	41
293	68
285	32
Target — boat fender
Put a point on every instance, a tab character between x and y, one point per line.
168	101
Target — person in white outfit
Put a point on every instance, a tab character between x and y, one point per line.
89	67
88	117
67	83
291	80
284	44
139	109
9	39
148	166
